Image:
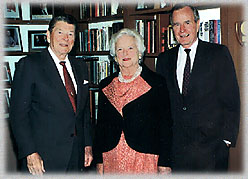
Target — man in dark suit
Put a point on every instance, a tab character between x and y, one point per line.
52	128
205	101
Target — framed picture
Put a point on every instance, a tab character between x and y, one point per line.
7	74
41	11
12	39
141	5
172	42
6	101
37	40
11	10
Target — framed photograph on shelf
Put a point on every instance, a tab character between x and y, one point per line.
41	11
7	75
172	42
37	40
142	5
11	10
12	39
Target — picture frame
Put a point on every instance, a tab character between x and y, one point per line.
142	5
6	101
37	40
41	11
12	39
12	10
7	75
172	42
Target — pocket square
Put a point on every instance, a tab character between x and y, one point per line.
85	82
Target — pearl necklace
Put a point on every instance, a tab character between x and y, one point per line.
136	74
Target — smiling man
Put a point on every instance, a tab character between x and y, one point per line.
204	95
49	113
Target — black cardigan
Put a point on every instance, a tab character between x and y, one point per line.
146	121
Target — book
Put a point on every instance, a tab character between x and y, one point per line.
200	35
211	31
219	31
163	39
149	37
117	26
153	36
206	31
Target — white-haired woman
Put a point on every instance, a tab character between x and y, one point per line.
133	132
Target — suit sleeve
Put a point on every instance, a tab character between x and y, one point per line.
99	131
165	126
160	66
87	125
21	98
87	121
229	97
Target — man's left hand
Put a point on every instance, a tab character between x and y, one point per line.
88	157
164	170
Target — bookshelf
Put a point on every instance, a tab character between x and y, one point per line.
129	15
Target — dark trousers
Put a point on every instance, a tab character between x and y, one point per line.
199	161
74	165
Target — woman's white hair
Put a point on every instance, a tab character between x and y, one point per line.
138	38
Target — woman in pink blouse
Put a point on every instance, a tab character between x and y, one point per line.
133	132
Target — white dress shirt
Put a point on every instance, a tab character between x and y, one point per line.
181	61
60	67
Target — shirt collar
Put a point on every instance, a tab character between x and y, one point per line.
193	46
55	58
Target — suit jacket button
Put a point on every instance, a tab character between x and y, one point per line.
71	135
184	108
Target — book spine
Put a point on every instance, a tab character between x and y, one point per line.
219	31
206	31
148	37
211	31
201	31
215	31
163	39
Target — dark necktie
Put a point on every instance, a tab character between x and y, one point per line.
69	86
186	74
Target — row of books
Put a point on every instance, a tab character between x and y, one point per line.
147	29
99	9
98	68
98	39
210	31
93	105
168	39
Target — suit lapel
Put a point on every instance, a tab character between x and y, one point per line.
51	71
79	78
174	56
196	67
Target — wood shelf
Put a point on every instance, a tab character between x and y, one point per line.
102	19
151	55
164	10
93	87
202	6
27	22
91	53
17	53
